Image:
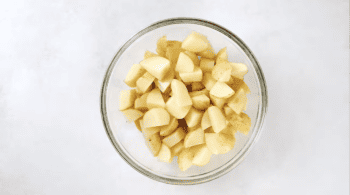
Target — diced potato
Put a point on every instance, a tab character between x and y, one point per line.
208	81
168	129
219	102
153	143
195	42
178	148
241	122
184	64
156	117
206	65
238	102
221	90
189	129
229	130
132	114
239	70
161	46
164	154
207	53
156	66
193	138
193	117
144	83
205	121
209	130
127	99
245	87
155	99
149	54
222	72
217	119
193	57
197	93
178	112
219	143
185	159
201	102
141	103
165	83
202	156
180	93
148	131
196	86
195	76
174	138
173	50
138	91
236	83
137	124
228	110
221	55
135	72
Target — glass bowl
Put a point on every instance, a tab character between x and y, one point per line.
128	140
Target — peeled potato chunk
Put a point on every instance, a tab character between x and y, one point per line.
137	124
219	143
162	43
174	138
193	57
217	119
132	114
221	55
219	102
207	53
222	72
176	111
241	122
156	117
184	63
180	93
208	81
155	99
195	76
127	99
153	143
239	70
193	117
165	83
148	131
173	50
135	72
193	138
201	102
144	83
201	92
177	148
141	103
229	130
209	130
206	65
221	90
164	154
196	86
195	42
238	102
228	111
202	155
168	129
185	159
156	66
205	123
149	54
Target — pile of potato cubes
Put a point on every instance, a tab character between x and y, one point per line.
188	101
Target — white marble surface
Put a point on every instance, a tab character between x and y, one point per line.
53	56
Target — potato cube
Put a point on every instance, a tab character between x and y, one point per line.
164	154
206	65
156	117
165	83
137	124
162	44
205	123
195	42
132	114
221	55
156	66
195	76
241	122
155	99
209	130
185	159
196	86
184	63
221	90
144	83
207	53
238	102
222	72
153	143
173	50
174	138
219	102
239	70
193	138
208	81
197	93
148	131
217	119
180	93
149	54
229	130
141	103
202	155
135	72
127	99
178	148
201	102
178	112
168	129
193	57
219	143
228	110
193	117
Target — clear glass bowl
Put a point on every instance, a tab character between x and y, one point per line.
127	139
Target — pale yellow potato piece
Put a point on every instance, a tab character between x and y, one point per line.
228	111
207	53
176	111
193	117
221	90
193	138
144	83
148	131
132	114
162	44
219	143
219	102
156	117
180	93
222	55
208	81
193	57
196	86
195	42
137	124
156	66
173	50
135	72
229	130
168	129
209	130
185	159
222	72
127	99
149	54
202	155
189	129
217	119
164	85
174	138
195	76
154	143
205	123
141	103
155	99
206	65
238	102
138	91
201	102
177	148
184	63
245	87
240	122
164	154
201	92
239	70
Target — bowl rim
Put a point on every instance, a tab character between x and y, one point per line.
262	110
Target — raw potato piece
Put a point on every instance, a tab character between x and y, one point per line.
135	72
193	117
193	57
149	54
176	111
184	63
196	86
219	143
155	99
153	143
239	70
221	56
156	117
156	66
195	42
165	83
219	102
161	46
165	154
208	81
238	102
174	138
208	53
148	131
193	138
205	121
168	129
217	119
137	124
202	156
144	83
173	50
209	130
241	122
221	90
206	65
222	72
141	103
127	99
195	76
180	93
185	159
228	110
201	102
132	114
177	148
197	93
229	130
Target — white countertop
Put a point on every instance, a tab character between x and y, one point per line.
53	56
